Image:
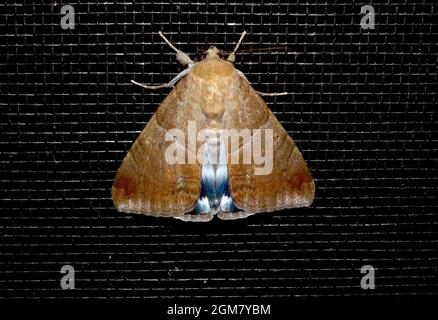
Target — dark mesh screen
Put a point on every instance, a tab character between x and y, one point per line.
363	113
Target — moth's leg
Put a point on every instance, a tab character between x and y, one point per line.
170	84
265	94
182	57
195	217
233	215
272	94
232	56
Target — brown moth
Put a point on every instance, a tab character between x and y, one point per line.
211	96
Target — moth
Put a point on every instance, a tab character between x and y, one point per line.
211	176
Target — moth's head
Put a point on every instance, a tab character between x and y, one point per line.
213	52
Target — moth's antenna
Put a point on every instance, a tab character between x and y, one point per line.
182	57
232	56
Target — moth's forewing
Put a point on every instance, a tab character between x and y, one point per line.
145	182
289	184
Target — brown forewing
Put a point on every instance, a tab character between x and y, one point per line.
290	183
145	183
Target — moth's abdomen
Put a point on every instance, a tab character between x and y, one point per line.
215	190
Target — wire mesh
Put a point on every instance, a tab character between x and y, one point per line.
363	113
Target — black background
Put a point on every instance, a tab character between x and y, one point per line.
363	113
